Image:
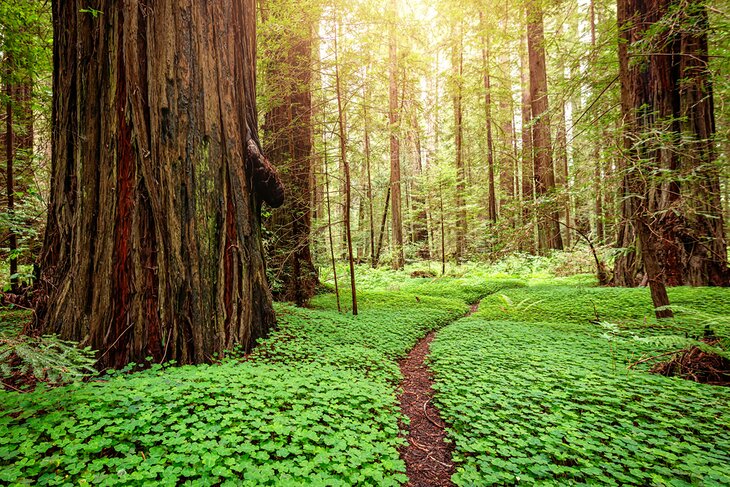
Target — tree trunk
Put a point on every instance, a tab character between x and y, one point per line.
393	118
457	61
288	143
492	197
342	125
10	180
548	217
153	244
528	178
668	116
371	214
598	170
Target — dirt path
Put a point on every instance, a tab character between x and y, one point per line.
427	456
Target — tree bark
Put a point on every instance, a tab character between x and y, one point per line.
668	116
528	178
342	125
10	180
393	118
457	61
492	197
153	244
548	227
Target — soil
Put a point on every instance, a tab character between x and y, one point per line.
427	455
697	365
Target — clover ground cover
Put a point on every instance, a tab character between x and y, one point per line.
316	403
537	400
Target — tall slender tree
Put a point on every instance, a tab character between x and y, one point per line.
393	118
548	218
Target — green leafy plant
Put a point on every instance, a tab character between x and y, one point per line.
46	358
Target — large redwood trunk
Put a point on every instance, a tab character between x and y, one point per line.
153	243
669	121
288	144
548	226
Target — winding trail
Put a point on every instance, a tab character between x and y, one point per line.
427	455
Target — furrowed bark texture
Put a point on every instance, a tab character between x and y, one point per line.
547	223
153	244
672	179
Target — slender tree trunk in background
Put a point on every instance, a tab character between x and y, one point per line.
668	116
393	118
492	201
457	61
548	228
379	248
153	244
508	177
508	172
443	231
598	173
492	197
288	143
561	171
342	124
329	228
10	179
366	128
528	174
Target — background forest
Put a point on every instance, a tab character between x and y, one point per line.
318	242
428	131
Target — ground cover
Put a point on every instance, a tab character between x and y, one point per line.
316	403
548	397
626	307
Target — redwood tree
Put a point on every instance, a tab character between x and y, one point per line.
393	117
288	143
153	243
548	225
671	176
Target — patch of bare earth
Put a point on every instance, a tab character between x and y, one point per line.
698	365
427	455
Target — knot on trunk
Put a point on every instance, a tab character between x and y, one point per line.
266	181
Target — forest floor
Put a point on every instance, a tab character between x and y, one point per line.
547	382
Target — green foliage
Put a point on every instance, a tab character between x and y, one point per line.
315	403
696	307
468	283
389	324
47	358
205	425
555	404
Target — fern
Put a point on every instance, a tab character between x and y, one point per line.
680	342
47	358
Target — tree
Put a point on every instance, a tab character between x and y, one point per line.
457	66
492	203
153	244
671	178
393	117
25	57
288	141
548	222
